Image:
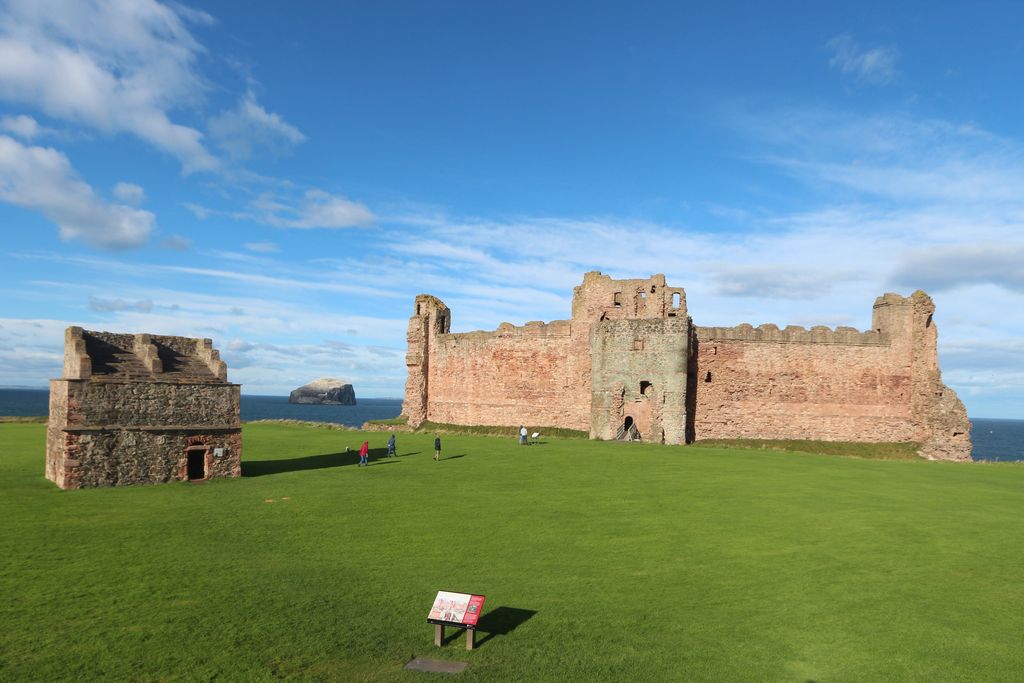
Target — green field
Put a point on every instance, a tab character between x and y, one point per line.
600	561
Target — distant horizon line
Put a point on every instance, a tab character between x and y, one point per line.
22	387
28	387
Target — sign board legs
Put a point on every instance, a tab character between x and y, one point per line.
438	634
470	637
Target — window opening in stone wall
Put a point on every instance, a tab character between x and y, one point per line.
638	344
417	309
928	322
643	295
675	299
196	466
707	377
646	388
617	299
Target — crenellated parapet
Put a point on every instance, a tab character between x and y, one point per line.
534	328
793	334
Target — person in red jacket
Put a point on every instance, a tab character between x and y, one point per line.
364	452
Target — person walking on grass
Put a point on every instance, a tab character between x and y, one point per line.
522	435
364	453
391	446
437	449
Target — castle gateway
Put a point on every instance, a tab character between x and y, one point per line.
631	364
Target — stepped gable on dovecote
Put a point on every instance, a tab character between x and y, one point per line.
141	409
630	364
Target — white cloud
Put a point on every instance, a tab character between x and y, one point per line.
200	212
896	158
249	127
101	305
778	281
41	178
31	350
25	127
112	66
282	209
177	243
314	209
129	193
262	247
946	267
876	65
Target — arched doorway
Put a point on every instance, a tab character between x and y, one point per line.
628	431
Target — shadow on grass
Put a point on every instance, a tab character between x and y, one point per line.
261	468
450	636
501	622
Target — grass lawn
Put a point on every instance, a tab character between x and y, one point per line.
600	561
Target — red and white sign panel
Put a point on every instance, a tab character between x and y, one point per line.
458	609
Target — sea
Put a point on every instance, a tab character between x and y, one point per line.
991	439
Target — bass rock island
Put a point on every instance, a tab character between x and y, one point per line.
325	391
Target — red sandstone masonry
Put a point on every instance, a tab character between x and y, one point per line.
521	375
630	353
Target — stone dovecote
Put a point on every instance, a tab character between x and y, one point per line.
141	409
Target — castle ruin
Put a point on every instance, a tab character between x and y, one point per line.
631	364
141	409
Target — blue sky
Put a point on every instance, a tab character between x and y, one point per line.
286	177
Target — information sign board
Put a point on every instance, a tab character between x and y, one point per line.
456	609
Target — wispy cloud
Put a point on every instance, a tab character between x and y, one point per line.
262	247
113	67
947	267
314	209
869	65
284	208
249	128
41	178
101	305
176	243
24	127
129	193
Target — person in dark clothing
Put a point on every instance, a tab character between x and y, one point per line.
391	446
437	449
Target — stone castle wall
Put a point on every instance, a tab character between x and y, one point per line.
523	375
131	408
630	356
758	387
